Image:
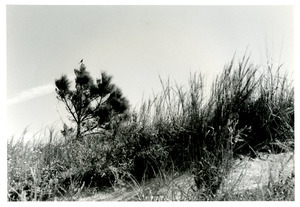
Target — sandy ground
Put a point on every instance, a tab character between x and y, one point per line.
250	174
245	174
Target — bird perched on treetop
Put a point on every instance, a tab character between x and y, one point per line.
81	61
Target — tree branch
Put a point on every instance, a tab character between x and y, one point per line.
69	109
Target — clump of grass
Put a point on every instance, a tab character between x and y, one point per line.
58	169
32	170
178	128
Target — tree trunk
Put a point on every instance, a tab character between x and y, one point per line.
78	131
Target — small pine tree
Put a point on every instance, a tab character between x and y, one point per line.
92	105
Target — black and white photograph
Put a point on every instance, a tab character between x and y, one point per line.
149	103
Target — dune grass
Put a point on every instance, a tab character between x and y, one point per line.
178	130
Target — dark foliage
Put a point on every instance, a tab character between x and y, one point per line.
91	106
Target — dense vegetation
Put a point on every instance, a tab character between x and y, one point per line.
249	110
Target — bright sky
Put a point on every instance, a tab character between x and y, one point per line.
135	44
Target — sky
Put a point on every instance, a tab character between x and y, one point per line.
134	44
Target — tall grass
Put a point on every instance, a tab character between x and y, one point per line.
246	113
178	130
